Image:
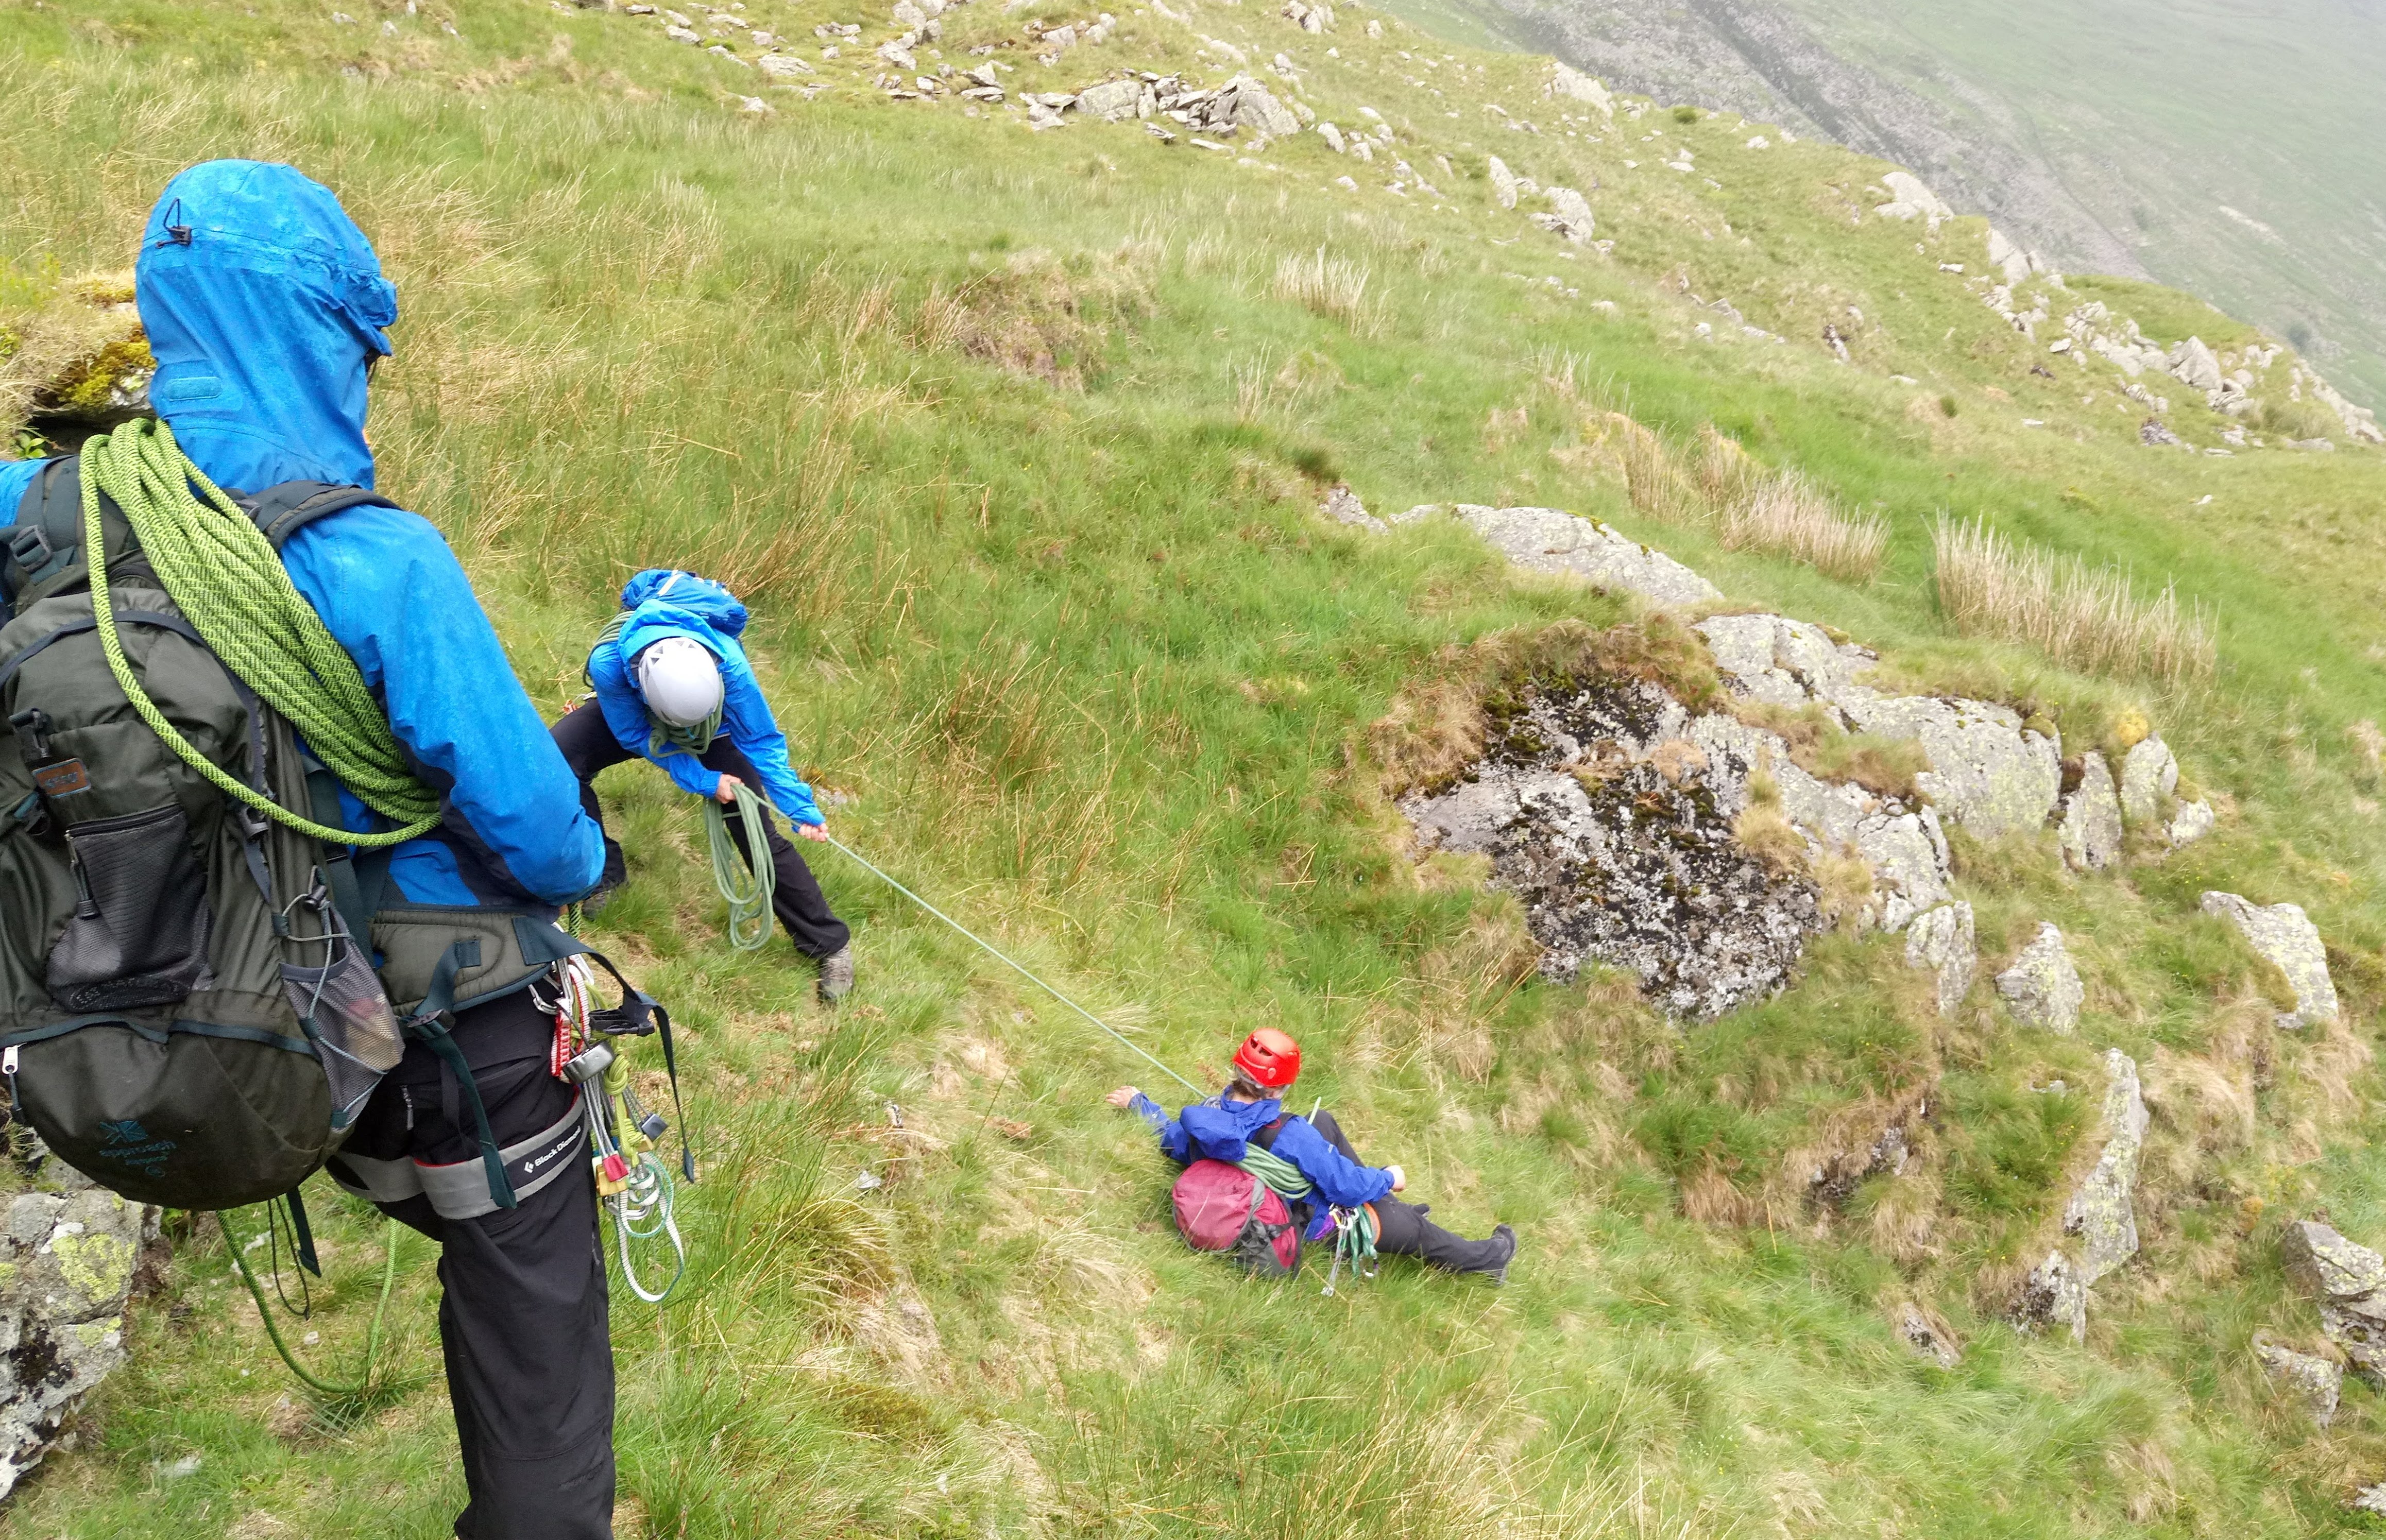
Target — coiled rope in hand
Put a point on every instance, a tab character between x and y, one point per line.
746	886
224	575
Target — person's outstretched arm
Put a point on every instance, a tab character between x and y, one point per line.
1172	1141
745	717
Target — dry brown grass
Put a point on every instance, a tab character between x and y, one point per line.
1334	287
1652	478
1785	515
1724	470
2089	620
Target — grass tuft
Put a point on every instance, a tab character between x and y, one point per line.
1787	516
2086	618
1334	287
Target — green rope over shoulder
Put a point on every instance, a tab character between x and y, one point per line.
1354	1237
226	577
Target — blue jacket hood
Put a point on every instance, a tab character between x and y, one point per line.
263	301
700	597
1220	1128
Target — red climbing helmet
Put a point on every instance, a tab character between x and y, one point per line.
1269	1059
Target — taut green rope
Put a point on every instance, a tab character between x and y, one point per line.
225	576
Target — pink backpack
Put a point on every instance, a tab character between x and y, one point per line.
1223	1208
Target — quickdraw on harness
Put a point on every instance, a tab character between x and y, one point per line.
591	1051
1354	1228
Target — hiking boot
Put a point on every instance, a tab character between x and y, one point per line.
1498	1275
837	975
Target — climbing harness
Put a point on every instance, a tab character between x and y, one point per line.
305	1259
226	577
591	1052
1005	959
1354	1228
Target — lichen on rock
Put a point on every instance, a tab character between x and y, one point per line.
2284	937
2089	834
1943	941
2042	988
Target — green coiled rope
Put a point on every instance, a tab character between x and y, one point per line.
1354	1237
225	576
749	896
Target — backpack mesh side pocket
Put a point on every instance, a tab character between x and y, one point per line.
346	1015
139	934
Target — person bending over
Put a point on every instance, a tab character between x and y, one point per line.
1249	1111
672	685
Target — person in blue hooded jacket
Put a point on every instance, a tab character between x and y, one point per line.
672	685
266	309
1249	1112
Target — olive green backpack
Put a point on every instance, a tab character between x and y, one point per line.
185	1016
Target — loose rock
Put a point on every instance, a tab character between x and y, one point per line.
2315	1381
1568	217
2090	831
2286	938
2149	775
2042	987
2101	1213
1503	183
1942	940
1927	1339
1343	506
2349	1282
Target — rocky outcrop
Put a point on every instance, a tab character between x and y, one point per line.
1567	217
2313	1382
1943	941
1910	199
1596	812
1551	541
1568	83
1989	771
1926	1339
2348	1282
1343	506
2102	1215
66	1264
2042	987
2285	937
2090	834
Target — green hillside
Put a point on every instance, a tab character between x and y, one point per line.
1017	439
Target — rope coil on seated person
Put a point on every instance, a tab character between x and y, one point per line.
225	576
1354	1228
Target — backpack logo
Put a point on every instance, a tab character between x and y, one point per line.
126	1141
63	779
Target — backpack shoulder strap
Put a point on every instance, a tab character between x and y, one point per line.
281	510
47	536
1265	1137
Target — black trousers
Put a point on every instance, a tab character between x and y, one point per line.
1402	1229
588	747
523	1318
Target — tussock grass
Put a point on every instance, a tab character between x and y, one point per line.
1786	515
2092	620
1334	287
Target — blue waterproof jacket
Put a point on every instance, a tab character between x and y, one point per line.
664	603
1219	1129
262	302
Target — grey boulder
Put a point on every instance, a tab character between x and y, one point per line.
2090	830
2315	1381
2042	987
2285	937
2149	775
1942	940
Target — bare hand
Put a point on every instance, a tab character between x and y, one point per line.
1400	1178
726	792
1124	1096
812	831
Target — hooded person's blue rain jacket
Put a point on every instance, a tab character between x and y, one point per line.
263	301
1219	1129
663	603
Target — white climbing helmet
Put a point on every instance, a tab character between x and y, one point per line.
680	680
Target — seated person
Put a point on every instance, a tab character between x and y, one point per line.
1250	1112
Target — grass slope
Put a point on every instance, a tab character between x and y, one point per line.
1017	447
